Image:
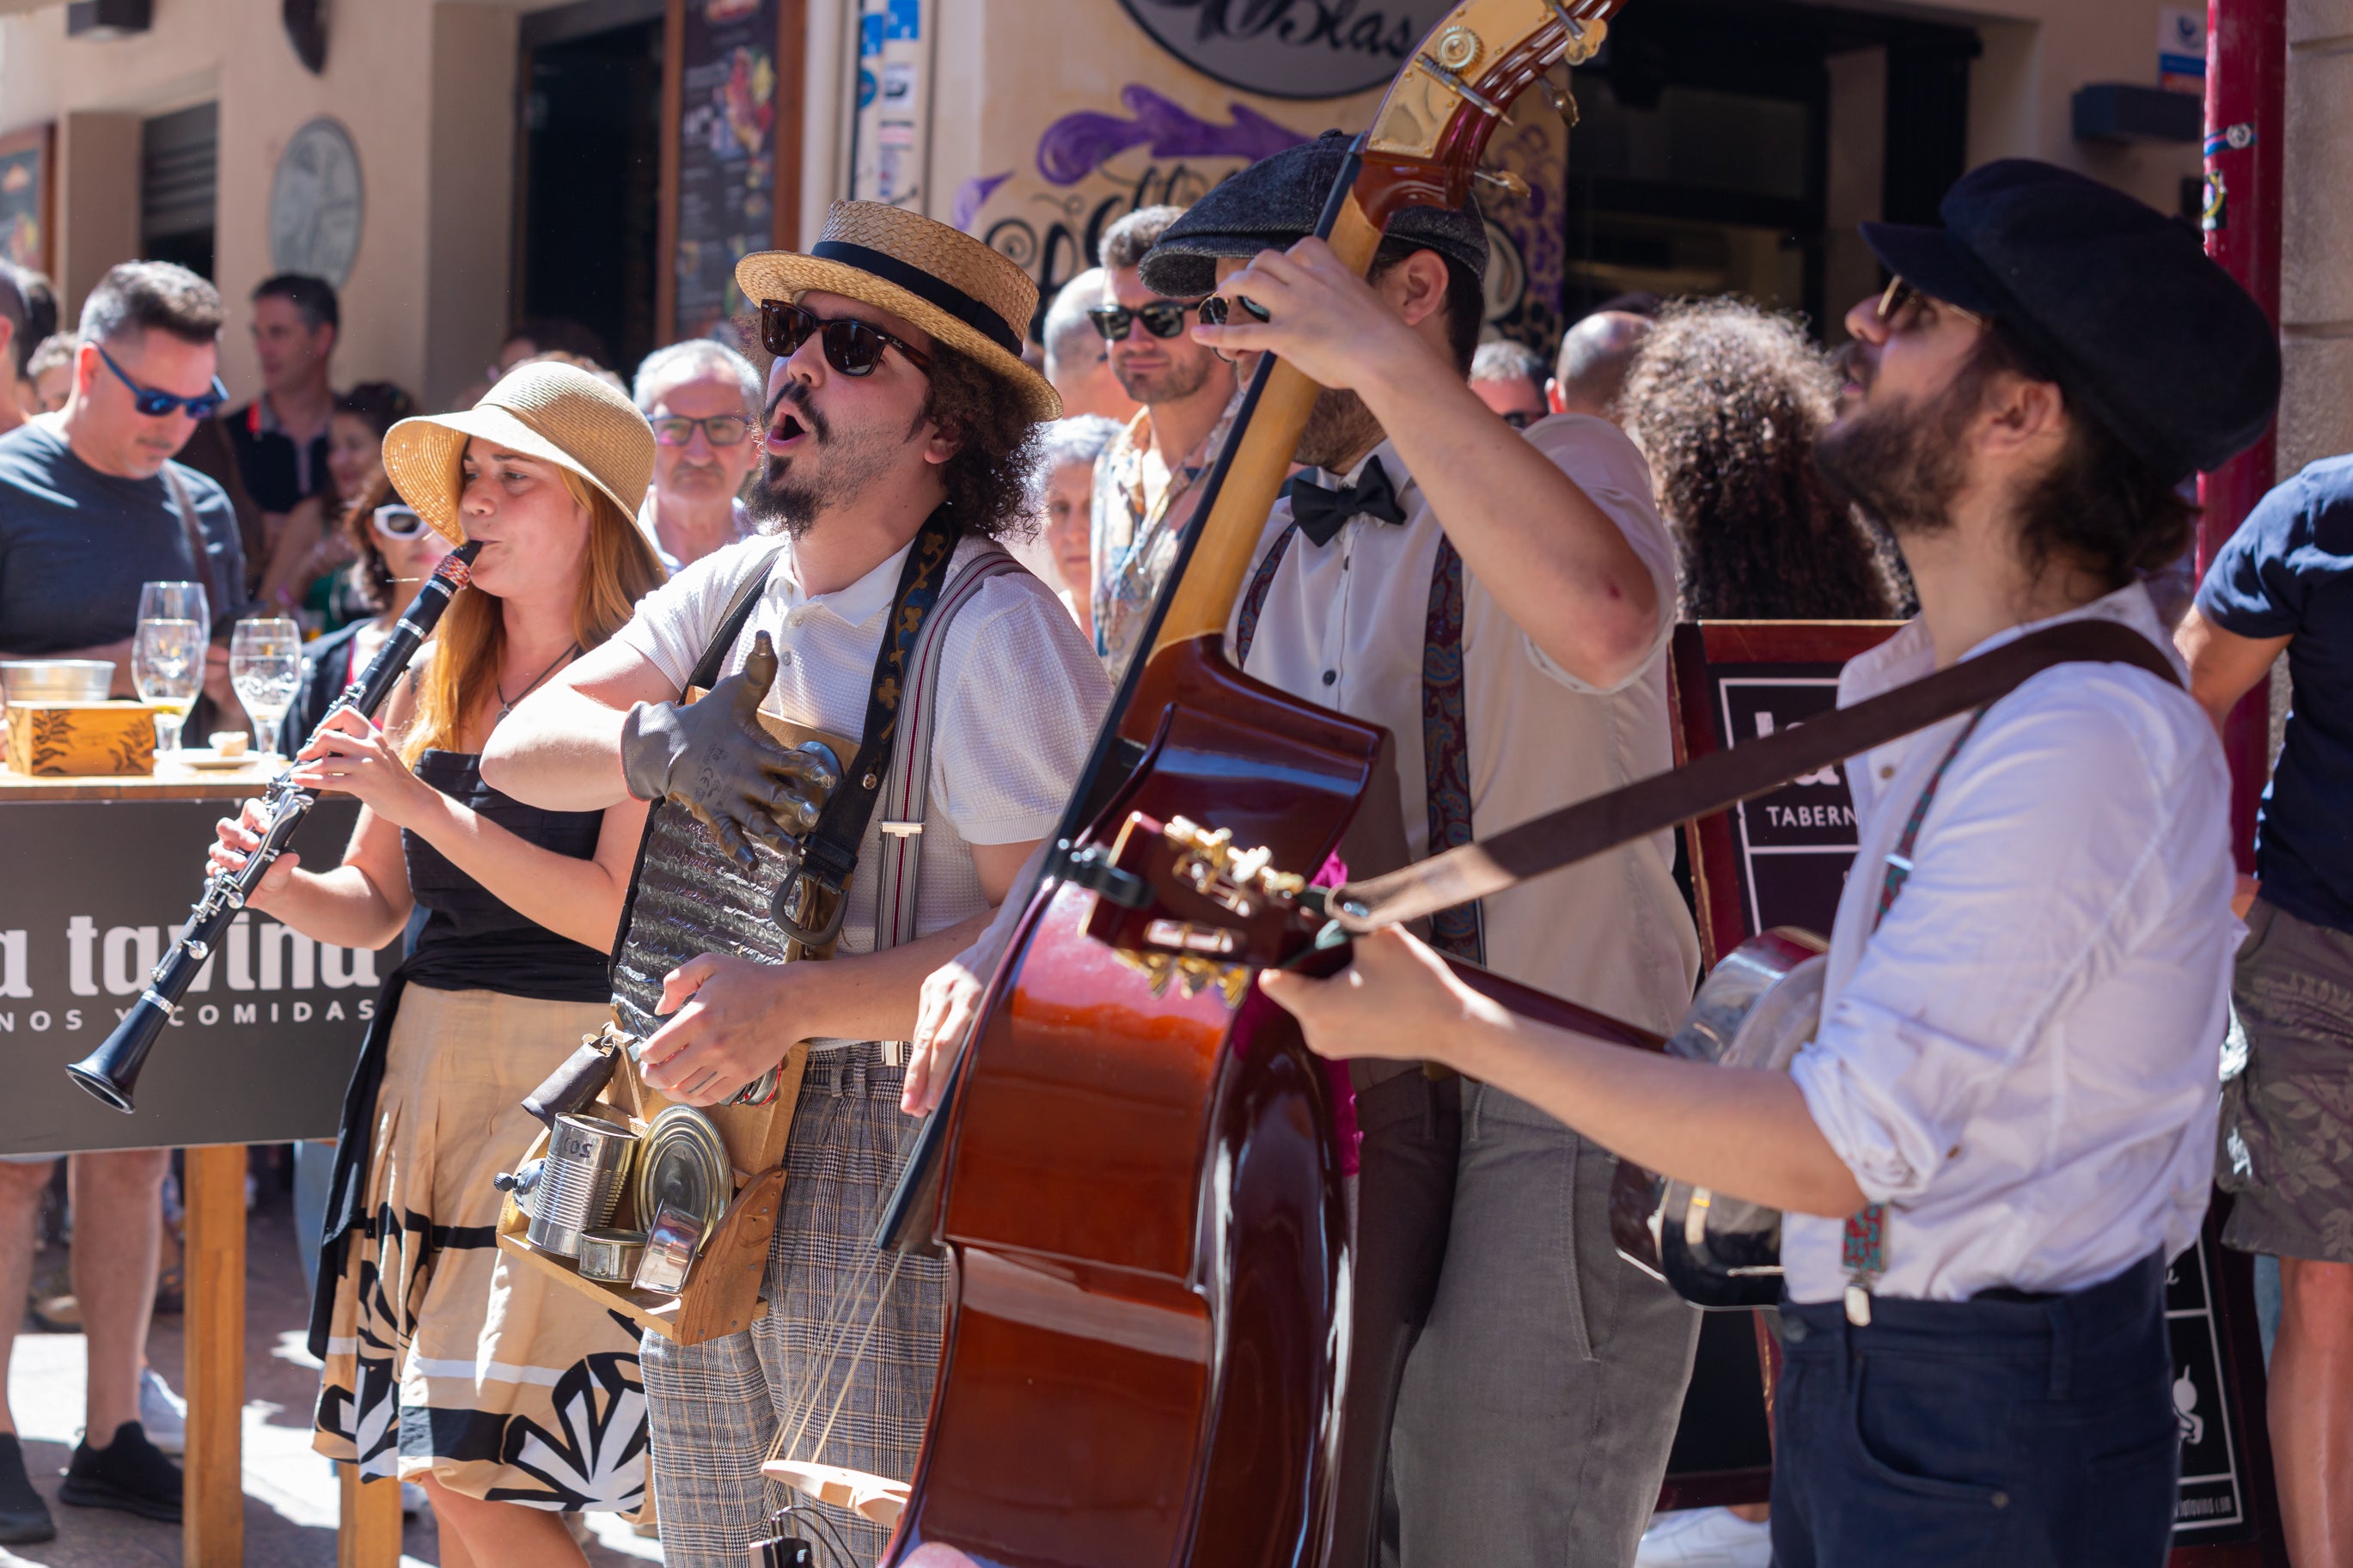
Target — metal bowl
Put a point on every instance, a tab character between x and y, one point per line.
610	1257
56	679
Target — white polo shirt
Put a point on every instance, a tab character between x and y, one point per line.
1021	697
1343	624
2022	1062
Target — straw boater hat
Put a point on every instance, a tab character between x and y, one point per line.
956	288
554	412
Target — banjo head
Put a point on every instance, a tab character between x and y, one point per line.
1754	1010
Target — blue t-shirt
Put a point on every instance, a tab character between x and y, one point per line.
75	545
2288	572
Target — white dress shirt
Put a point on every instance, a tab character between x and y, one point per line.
1343	624
1022	695
2022	1062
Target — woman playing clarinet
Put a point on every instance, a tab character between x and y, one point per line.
444	1366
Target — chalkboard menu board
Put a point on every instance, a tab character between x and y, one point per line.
1782	859
723	200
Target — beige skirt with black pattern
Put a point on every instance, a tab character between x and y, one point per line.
445	1360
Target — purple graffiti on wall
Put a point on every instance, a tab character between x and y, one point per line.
1075	145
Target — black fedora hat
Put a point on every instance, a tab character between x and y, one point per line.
2141	328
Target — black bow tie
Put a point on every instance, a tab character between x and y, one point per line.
1320	513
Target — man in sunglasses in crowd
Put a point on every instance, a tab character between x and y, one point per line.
91	506
1509	378
703	399
898	395
1148	483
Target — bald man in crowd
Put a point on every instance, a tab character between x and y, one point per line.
1595	355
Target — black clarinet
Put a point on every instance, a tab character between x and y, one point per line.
111	1072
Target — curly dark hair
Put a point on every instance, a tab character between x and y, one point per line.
1725	399
996	445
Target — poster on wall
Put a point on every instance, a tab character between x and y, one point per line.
726	196
26	180
1151	102
891	144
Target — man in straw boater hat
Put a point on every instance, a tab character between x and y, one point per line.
1500	601
898	427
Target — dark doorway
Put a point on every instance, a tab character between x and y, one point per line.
585	236
179	165
1703	165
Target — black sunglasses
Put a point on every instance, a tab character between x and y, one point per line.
852	347
1519	419
1900	296
155	405
1162	318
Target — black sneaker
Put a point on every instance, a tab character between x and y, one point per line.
130	1473
24	1517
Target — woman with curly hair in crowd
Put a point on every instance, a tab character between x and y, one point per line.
1725	400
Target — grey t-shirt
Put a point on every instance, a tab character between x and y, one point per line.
75	545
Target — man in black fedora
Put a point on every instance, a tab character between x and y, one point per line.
898	433
2003	1128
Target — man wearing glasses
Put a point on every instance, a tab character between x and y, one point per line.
1149	484
703	399
1509	378
91	507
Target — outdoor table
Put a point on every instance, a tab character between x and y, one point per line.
96	877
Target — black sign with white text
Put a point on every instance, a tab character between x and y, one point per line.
93	896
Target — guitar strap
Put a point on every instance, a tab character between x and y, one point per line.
1724	778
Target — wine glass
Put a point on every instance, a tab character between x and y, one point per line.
167	665
265	665
175	601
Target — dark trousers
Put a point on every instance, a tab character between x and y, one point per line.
2007	1433
1412	1130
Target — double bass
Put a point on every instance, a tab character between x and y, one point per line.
1133	1171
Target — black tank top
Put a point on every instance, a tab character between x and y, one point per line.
471	939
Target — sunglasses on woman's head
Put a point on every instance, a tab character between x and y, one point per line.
1162	318
852	347
397	520
155	405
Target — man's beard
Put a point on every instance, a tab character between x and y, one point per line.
1339	428
829	473
1902	463
1181	377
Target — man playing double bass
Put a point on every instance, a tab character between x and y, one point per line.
2004	1126
1500	603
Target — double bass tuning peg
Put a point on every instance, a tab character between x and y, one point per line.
1503	180
1562	101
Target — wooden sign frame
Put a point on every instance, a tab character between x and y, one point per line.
43	141
1698	650
788	136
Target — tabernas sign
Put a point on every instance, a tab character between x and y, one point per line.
1287	49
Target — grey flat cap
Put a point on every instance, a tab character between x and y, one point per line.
1274	202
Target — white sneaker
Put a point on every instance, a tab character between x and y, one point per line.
1704	1538
162	1413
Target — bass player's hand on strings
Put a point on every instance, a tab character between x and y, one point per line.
713	758
235	839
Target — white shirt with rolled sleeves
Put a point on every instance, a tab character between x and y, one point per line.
1022	695
1343	624
2022	1061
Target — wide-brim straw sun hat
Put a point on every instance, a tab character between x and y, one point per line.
959	290
557	413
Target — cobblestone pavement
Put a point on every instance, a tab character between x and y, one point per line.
290	1493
